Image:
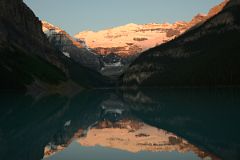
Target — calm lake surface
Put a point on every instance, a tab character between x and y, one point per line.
151	124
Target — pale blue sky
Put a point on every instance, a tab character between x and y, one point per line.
79	15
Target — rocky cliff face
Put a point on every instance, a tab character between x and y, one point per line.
133	39
130	39
217	8
20	27
206	55
15	12
27	59
71	48
116	48
26	55
110	65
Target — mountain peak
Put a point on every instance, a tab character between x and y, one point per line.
131	24
131	39
50	29
46	26
197	58
215	10
201	18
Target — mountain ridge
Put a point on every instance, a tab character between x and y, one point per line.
28	60
204	56
22	44
132	39
110	65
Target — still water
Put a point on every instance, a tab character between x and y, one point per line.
152	124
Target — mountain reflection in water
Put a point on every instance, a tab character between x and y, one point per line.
128	136
151	124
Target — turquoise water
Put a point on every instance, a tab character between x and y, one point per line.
206	118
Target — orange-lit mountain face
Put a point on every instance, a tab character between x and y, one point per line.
206	55
111	51
49	29
110	65
132	39
71	48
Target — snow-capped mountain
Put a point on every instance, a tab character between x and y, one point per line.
70	47
111	51
206	55
132	39
110	65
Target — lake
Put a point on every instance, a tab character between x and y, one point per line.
147	124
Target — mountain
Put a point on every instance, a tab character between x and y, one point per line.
97	71
206	55
131	136
130	39
111	65
26	56
110	52
70	47
133	39
28	60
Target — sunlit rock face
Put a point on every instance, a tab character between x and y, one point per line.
50	30
111	51
197	58
217	8
132	39
111	65
71	48
201	18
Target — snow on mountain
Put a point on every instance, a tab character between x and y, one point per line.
111	51
132	39
55	32
70	47
197	58
108	65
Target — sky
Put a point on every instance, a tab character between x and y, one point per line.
80	15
